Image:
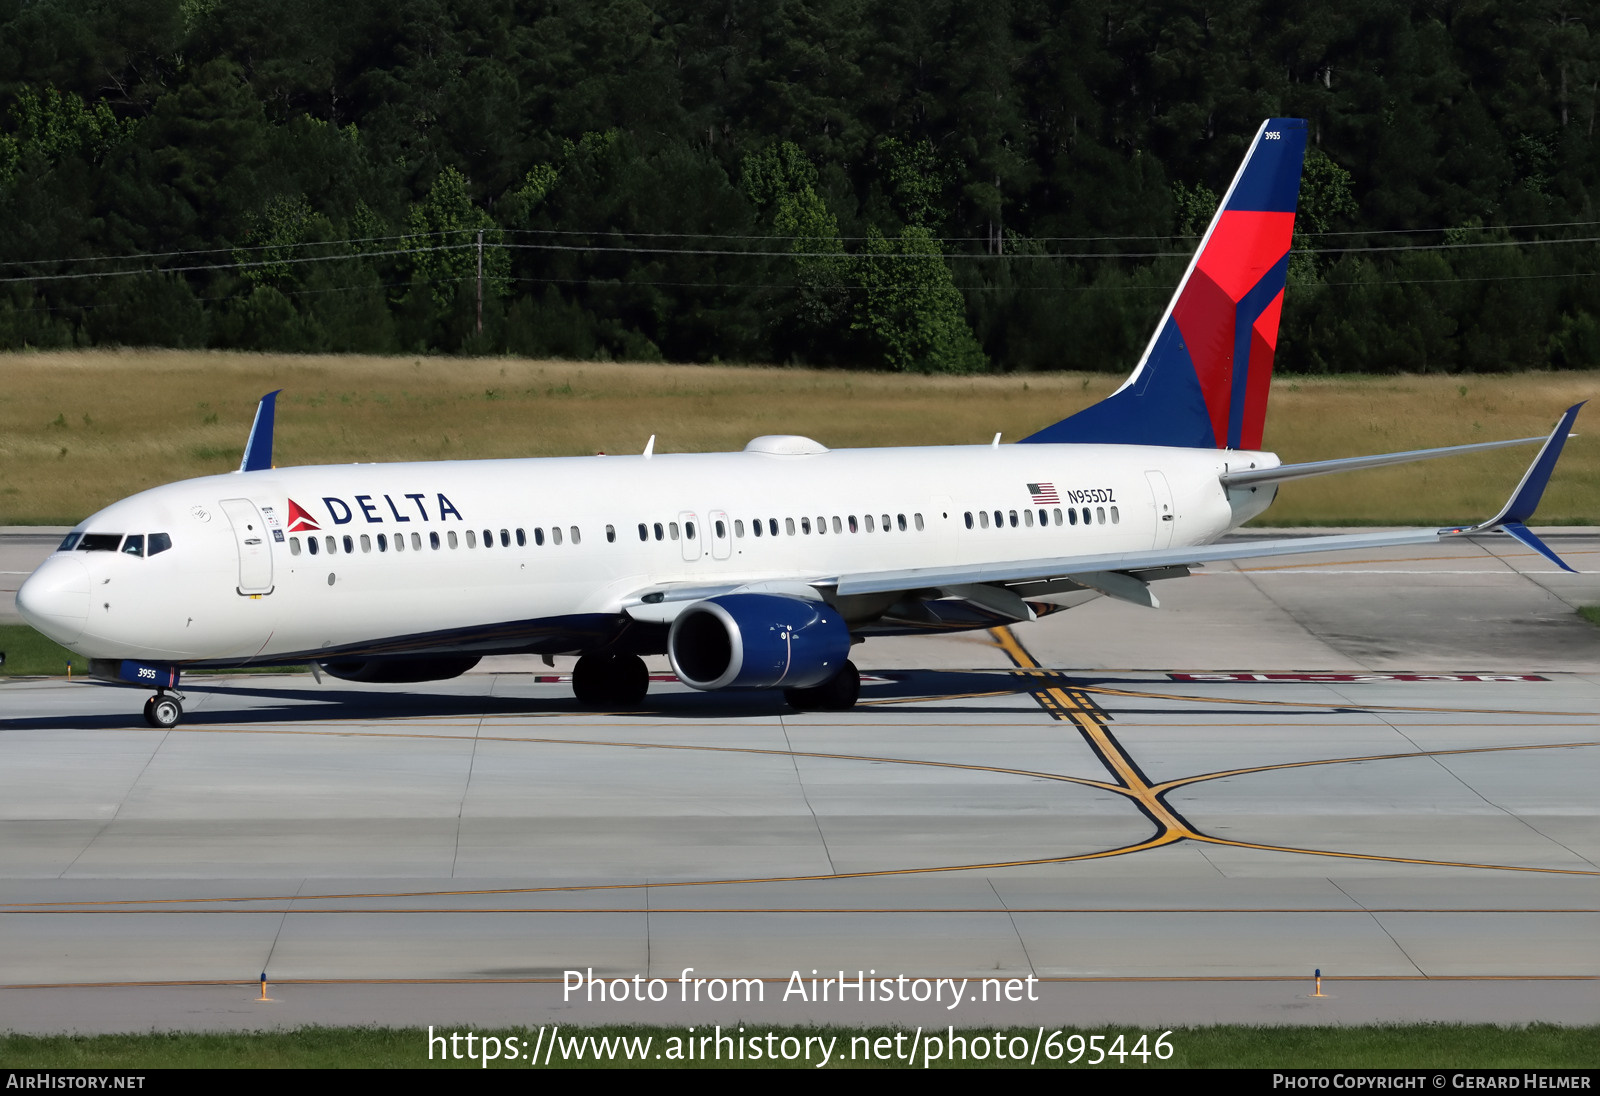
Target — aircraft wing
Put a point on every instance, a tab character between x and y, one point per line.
1091	566
1119	574
1122	575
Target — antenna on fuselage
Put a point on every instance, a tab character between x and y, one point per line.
258	450
996	443
650	447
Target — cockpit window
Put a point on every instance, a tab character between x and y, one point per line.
133	545
159	542
70	543
100	542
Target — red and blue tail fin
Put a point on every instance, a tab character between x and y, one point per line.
1203	380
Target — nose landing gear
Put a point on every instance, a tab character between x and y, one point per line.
163	710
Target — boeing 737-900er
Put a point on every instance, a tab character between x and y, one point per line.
750	570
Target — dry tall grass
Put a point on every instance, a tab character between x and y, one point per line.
81	429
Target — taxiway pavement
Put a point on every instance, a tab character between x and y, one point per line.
1381	765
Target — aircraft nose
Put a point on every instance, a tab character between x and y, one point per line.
55	598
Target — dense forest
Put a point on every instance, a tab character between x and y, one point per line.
902	184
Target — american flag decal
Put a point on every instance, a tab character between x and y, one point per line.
1043	493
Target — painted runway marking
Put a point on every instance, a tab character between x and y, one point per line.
1064	700
1172	826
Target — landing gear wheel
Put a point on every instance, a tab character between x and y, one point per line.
610	680
589	678
837	694
163	711
630	681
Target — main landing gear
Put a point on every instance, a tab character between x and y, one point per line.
604	680
163	710
837	694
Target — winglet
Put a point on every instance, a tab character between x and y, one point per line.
258	450
1525	499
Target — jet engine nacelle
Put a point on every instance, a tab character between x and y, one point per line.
394	671
757	641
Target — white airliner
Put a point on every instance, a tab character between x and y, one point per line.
750	570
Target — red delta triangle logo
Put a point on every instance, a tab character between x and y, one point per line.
299	520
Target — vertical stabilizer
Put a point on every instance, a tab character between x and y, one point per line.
1203	379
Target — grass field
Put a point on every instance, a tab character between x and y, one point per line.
27	652
81	429
1416	1046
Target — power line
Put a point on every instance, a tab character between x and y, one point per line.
734	252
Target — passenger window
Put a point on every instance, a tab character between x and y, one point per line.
1013	519
311	545
399	542
471	540
969	519
1072	517
1100	514
983	519
870	527
555	534
349	545
1114	518
416	542
366	543
294	546
522	539
659	532
837	526
383	543
822	525
902	523
672	530
1086	515
644	533
738	527
611	534
452	535
331	545
433	541
538	537
886	523
788	526
918	519
805	526
133	545
852	520
755	526
722	529
1027	518
576	538
1058	515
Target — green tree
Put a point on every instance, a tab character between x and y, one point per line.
781	181
443	242
911	309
